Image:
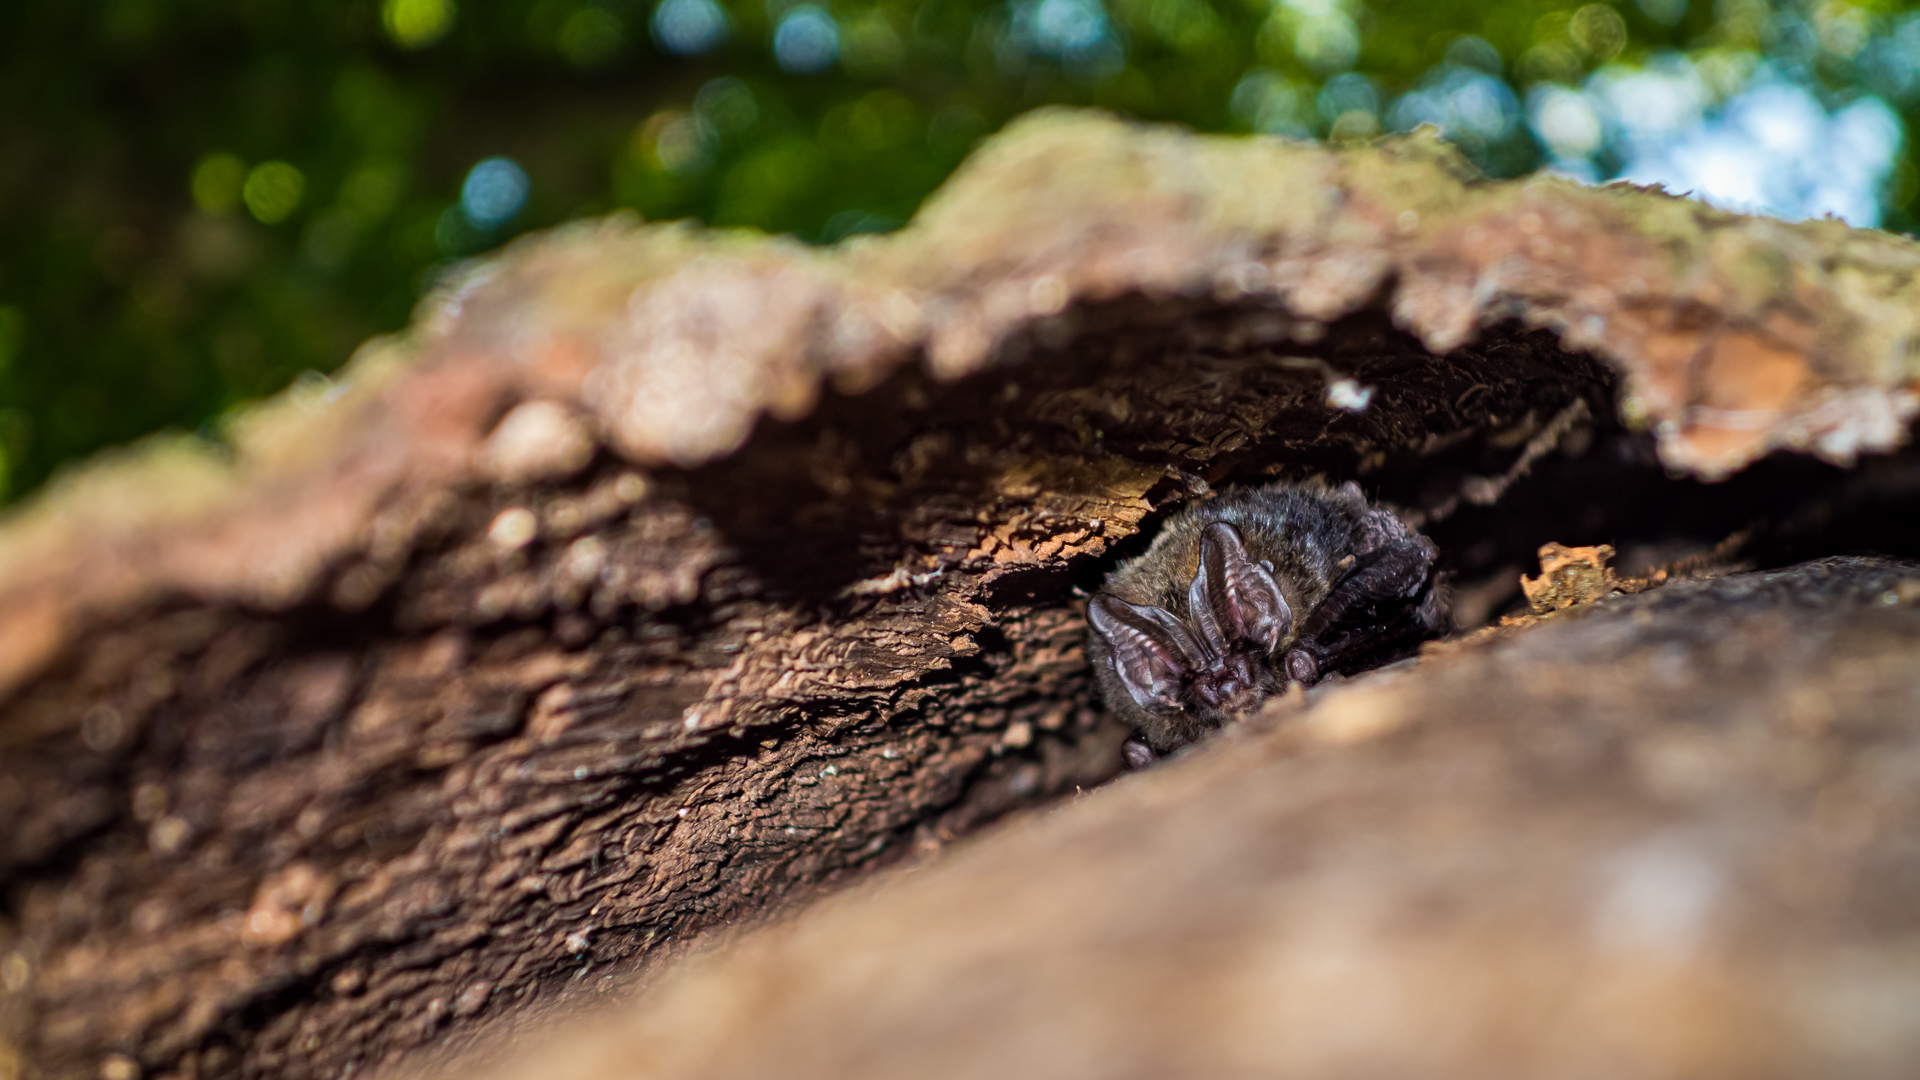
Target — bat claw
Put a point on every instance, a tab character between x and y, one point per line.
1302	667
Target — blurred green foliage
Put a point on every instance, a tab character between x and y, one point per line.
202	199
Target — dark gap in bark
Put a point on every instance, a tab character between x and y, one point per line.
1230	399
1785	509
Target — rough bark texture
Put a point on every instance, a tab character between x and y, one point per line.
662	576
1681	846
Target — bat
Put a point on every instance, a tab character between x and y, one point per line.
1241	595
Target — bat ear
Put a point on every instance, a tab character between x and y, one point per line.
1152	652
1233	599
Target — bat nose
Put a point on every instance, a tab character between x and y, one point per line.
1229	691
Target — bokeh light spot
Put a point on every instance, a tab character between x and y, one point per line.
1060	27
1550	61
689	27
1473	52
591	37
1842	28
728	105
807	40
1188	25
1890	62
1328	43
1599	30
870	47
1351	98
494	192
273	191
1471	107
1566	122
217	180
682	144
416	24
1077	32
1271	104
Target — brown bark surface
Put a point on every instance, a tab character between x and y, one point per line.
1668	835
660	576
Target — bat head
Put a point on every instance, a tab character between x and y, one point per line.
1216	662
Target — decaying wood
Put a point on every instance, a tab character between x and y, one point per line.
660	576
1671	837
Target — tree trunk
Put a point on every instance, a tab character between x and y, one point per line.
660	577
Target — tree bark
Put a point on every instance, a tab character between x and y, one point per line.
659	577
1665	835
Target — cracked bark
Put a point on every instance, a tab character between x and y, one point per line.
662	577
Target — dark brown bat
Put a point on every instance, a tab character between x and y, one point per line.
1240	595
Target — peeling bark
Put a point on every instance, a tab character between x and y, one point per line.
662	577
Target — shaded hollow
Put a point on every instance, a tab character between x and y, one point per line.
1782	510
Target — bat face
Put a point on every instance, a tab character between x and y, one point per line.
1240	596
